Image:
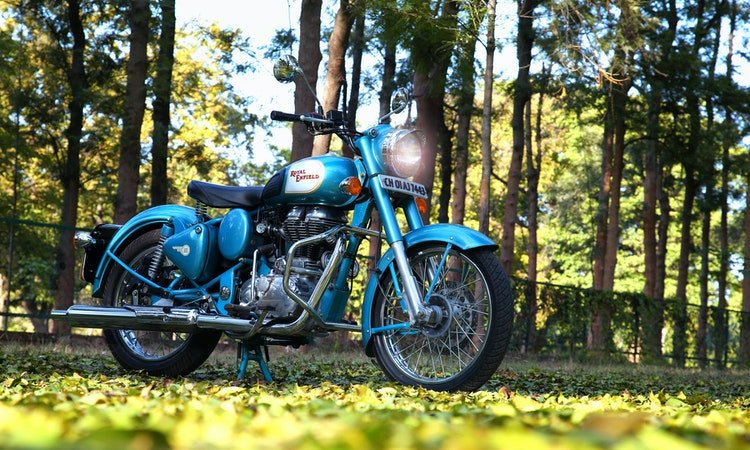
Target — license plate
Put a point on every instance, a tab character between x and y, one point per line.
396	184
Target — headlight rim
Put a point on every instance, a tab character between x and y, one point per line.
388	149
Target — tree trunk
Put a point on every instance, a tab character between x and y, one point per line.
533	170
651	331
429	89
600	240
70	176
665	178
446	173
430	121
613	222
744	353
679	341
128	176
358	47
389	72
665	209
650	191
653	192
720	322
521	95
744	350
489	84
465	105
700	338
162	94
692	167
309	59
336	73
596	339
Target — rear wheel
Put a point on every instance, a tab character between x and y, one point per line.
156	352
465	344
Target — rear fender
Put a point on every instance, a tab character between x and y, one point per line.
461	237
182	217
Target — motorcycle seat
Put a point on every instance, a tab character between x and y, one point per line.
219	196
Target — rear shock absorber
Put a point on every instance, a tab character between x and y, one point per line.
167	230
201	210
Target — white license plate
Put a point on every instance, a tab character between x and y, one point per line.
404	186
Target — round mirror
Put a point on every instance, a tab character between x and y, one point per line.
286	69
400	100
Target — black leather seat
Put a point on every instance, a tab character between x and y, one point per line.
219	196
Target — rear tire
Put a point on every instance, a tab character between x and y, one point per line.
466	346
163	353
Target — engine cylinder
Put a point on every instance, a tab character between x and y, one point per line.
305	221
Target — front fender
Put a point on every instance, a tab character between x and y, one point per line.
460	236
149	219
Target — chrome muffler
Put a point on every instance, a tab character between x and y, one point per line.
150	318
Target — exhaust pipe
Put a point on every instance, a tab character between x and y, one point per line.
181	320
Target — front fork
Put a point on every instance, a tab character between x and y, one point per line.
419	312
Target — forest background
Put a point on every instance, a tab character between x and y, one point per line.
612	167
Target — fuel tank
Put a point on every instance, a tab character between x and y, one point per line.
312	181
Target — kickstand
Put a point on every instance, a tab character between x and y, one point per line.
253	351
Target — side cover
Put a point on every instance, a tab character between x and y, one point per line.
182	216
461	237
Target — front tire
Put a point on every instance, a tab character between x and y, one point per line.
464	348
162	353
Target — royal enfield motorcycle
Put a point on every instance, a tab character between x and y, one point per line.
277	268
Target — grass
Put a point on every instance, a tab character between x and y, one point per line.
58	397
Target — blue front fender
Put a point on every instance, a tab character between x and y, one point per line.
149	219
461	237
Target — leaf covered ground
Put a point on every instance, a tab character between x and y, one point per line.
57	398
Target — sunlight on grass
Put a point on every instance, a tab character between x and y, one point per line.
55	397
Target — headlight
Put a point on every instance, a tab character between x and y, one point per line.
402	152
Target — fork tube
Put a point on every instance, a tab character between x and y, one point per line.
417	311
413	218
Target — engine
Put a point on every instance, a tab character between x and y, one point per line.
300	222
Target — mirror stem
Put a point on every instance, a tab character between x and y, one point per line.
312	91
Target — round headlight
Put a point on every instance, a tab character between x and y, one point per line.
402	152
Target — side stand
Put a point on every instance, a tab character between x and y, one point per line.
253	351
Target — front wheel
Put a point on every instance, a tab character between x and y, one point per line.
465	343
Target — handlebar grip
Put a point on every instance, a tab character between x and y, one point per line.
285	117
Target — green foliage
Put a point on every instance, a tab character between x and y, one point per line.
56	400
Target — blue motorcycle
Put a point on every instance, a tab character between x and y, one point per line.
277	268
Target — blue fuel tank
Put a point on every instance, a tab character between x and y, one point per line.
312	181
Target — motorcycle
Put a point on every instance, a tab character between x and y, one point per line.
277	268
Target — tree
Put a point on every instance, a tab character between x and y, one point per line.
128	176
162	94
533	171
466	74
309	59
484	190
655	73
358	48
432	40
692	164
521	95
72	170
336	73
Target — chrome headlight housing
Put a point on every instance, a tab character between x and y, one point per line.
402	152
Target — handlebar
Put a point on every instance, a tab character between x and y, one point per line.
286	117
334	122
